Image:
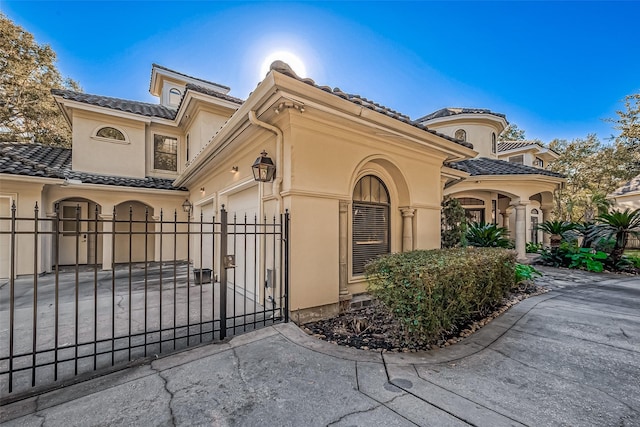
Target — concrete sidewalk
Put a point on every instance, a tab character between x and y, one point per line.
568	357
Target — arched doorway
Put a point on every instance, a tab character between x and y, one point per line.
134	239
79	239
370	222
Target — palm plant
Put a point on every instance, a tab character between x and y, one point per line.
488	236
557	229
619	225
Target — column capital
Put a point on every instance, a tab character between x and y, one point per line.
407	212
344	205
520	204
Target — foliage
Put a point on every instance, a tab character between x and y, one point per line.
557	228
526	273
593	170
628	123
570	255
488	236
435	292
453	223
512	133
28	112
533	248
588	259
619	225
587	230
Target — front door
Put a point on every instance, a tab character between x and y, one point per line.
73	233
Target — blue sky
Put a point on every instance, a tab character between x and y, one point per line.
556	69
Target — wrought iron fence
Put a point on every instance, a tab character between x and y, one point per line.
195	281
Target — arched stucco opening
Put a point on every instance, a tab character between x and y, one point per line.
134	226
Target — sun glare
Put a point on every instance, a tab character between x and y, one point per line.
290	58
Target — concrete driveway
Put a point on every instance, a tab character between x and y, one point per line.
568	357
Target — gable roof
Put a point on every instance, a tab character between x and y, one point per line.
450	111
285	69
628	187
485	166
135	107
45	161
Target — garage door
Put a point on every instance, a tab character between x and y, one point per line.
245	245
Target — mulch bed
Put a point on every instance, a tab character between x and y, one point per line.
374	328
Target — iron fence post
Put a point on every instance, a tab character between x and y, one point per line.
286	265
223	273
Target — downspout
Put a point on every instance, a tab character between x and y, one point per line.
277	182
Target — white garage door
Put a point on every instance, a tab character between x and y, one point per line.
245	244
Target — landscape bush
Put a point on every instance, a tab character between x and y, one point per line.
433	293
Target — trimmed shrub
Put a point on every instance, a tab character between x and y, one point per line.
435	292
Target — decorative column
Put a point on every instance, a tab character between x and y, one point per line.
107	241
343	249
546	216
521	230
407	229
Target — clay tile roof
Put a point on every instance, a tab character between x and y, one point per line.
512	145
135	107
213	93
188	76
485	166
449	111
285	69
45	161
629	187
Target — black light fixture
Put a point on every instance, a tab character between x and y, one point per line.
186	206
263	168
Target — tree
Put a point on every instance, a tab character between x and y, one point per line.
628	123
512	133
28	72
453	223
593	170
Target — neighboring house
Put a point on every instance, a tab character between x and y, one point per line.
506	183
358	178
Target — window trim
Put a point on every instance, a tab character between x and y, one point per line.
153	153
364	203
94	135
494	143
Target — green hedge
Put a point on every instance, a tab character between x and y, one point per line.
436	292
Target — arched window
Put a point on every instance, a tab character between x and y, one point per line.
534	226
493	143
174	96
371	210
461	134
109	132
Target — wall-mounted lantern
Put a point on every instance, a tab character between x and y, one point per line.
263	168
187	206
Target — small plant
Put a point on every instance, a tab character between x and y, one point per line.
525	274
588	259
488	236
619	225
533	248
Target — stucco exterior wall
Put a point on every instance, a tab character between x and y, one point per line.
201	129
479	134
108	157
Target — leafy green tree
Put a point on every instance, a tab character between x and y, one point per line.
512	133
28	72
593	170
